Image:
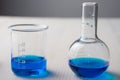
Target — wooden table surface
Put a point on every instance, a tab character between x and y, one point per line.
61	33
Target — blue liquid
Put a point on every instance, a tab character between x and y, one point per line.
29	66
88	67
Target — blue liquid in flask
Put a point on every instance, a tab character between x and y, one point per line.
88	67
29	66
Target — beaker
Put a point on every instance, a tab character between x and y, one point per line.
28	50
89	56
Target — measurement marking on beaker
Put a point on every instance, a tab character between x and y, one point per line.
21	48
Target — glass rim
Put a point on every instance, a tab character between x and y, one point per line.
28	27
90	3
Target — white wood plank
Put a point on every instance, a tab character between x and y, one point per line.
61	33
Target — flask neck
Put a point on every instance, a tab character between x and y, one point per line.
89	22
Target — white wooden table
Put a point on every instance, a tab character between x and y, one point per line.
61	33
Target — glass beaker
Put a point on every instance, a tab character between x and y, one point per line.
89	56
27	52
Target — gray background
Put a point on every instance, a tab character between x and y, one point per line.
56	8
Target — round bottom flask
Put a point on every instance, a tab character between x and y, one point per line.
89	56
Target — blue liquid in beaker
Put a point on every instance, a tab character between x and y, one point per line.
88	67
29	66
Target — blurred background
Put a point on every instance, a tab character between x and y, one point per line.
63	19
56	8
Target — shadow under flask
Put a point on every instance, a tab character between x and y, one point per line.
89	56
